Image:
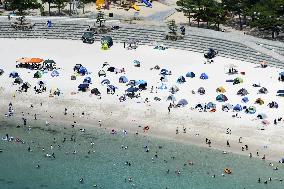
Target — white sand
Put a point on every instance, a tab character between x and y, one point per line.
135	112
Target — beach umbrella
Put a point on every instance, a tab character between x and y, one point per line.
182	102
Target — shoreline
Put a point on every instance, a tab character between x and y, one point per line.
90	120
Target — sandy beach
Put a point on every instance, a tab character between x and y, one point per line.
135	114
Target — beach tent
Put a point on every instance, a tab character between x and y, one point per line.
54	73
132	89
190	74
105	81
95	91
142	86
18	80
102	73
162	86
163	78
199	106
38	74
201	91
273	104
251	110
136	63
238	80
87	80
111	69
1	72
211	105
83	87
107	40
280	93
139	82
263	90
25	86
174	89
111	88
261	116
182	102
123	79
242	92
221	90
171	98
83	70
164	72
259	101
226	107
238	108
245	99
14	74
204	76
221	98
181	80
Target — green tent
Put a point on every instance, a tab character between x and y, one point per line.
238	80
38	74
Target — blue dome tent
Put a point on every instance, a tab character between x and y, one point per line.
204	76
123	79
182	102
245	99
83	70
54	73
221	98
14	74
87	80
238	108
181	79
190	74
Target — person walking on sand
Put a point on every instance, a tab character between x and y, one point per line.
65	111
228	144
209	143
177	130
240	140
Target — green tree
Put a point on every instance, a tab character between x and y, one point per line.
267	15
49	3
22	5
60	4
187	7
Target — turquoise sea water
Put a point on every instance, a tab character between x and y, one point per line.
106	166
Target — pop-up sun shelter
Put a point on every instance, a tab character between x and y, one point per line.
190	74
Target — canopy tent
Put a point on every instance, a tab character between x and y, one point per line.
182	102
190	74
87	80
105	81
30	60
245	99
238	108
259	101
263	90
95	91
201	91
54	73
171	98
123	79
204	76
221	98
14	74
242	92
221	89
38	74
181	79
